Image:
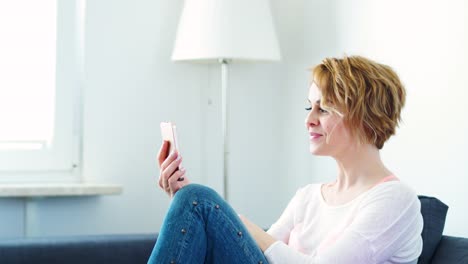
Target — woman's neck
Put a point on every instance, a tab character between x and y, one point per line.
359	167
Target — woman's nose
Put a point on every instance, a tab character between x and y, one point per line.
311	119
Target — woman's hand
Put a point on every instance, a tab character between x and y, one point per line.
171	179
263	239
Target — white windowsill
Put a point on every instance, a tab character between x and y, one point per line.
58	189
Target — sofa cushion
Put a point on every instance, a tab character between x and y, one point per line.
433	212
451	250
116	249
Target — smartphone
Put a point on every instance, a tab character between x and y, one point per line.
169	133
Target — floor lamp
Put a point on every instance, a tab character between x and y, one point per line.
225	31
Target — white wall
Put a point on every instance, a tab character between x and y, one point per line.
131	85
425	42
312	32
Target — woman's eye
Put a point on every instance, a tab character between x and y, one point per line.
321	110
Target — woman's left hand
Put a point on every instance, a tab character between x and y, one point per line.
263	239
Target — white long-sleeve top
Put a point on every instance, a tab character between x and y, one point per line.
381	225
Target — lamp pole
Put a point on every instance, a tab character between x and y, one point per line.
225	116
220	31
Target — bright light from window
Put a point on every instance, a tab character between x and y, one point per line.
27	72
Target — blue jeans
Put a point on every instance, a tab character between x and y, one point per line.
200	227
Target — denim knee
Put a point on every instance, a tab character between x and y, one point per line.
193	192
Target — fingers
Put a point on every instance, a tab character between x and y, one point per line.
173	156
162	154
251	227
244	220
168	171
174	165
163	168
241	217
174	184
171	179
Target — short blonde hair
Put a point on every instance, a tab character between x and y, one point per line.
368	95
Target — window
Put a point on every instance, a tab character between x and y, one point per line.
41	51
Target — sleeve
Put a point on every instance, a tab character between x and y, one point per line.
387	227
281	229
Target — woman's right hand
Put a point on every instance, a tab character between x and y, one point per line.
171	179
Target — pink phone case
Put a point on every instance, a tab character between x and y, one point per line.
169	133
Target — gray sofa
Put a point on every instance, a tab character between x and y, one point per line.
120	249
436	247
103	249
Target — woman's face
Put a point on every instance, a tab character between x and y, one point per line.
321	123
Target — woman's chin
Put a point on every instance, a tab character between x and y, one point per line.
316	151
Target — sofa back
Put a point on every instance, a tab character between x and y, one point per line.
433	212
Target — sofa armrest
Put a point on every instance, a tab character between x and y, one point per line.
451	250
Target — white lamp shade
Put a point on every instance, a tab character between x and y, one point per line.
226	29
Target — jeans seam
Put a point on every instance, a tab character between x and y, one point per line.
190	220
251	254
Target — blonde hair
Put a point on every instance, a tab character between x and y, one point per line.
368	95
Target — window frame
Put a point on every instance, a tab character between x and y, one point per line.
61	162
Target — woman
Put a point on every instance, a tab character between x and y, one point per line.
365	216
